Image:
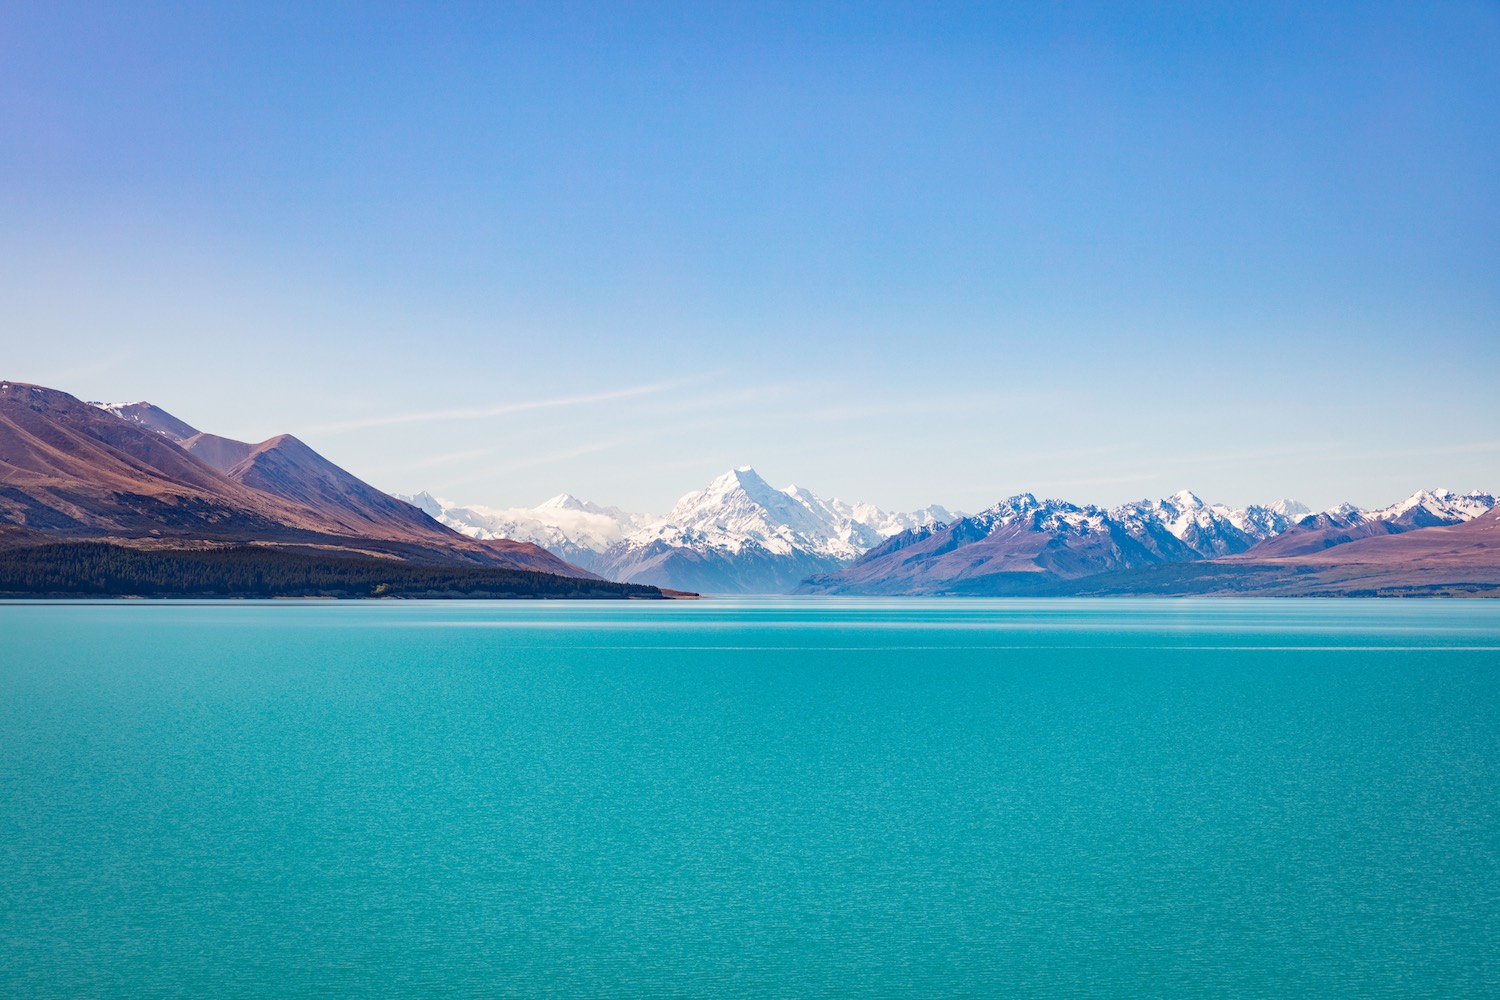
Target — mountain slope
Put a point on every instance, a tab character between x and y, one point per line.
74	470
285	467
152	418
67	467
217	452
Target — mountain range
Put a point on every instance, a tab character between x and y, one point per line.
1023	545
741	535
737	535
132	474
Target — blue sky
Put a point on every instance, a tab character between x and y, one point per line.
906	253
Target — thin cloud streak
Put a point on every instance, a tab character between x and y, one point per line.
452	457
502	409
972	403
538	461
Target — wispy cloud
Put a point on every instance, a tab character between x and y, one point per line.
536	461
1051	484
1462	448
725	401
451	457
502	409
553	457
938	405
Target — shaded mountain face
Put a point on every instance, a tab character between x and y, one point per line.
285	467
216	452
70	469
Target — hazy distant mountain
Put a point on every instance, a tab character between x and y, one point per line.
72	470
739	534
572	529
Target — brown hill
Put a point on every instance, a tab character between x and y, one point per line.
1445	560
285	467
1420	559
69	469
1319	532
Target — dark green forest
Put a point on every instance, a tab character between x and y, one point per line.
101	569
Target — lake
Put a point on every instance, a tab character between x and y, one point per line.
750	798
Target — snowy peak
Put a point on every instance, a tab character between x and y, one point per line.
1212	529
738	533
740	509
1430	508
1183	525
426	503
1423	509
1292	510
1009	509
563	501
151	417
742	484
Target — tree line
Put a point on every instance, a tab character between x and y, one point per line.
103	569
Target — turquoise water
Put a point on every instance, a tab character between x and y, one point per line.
776	798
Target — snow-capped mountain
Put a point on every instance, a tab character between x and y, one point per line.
1427	508
1423	509
1021	540
575	530
739	534
740	509
150	417
1346	522
1022	544
1210	529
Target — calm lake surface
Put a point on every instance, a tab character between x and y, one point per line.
757	798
